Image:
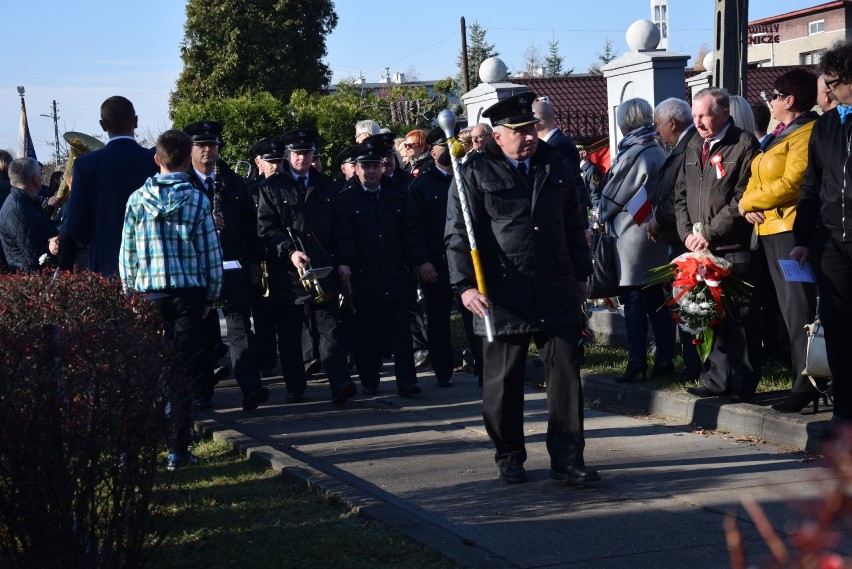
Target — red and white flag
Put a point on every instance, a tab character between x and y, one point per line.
639	206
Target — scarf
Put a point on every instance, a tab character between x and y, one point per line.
843	110
641	135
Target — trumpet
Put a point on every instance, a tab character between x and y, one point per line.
310	277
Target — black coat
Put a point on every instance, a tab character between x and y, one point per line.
239	240
25	229
664	210
318	218
425	221
402	180
566	147
531	238
380	272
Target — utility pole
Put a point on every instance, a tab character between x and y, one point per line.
55	117
730	63
465	78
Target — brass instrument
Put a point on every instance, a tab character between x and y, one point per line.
243	165
310	277
264	278
79	144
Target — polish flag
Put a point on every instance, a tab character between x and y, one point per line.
639	206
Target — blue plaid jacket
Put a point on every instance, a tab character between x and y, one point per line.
169	240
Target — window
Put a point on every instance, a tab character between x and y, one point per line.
664	30
816	27
811	58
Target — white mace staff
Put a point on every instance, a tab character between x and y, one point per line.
447	122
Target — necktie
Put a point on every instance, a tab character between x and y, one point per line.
705	153
522	169
209	183
301	181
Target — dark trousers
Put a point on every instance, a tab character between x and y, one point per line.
640	305
439	303
242	346
377	324
210	342
503	397
182	309
289	320
310	338
419	333
473	341
736	358
797	302
834	279
263	317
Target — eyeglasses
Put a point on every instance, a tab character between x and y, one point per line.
478	138
832	83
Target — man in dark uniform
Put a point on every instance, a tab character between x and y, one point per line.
234	215
401	183
268	158
535	259
381	283
347	167
304	223
426	217
590	173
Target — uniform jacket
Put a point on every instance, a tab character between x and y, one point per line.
777	174
563	143
238	239
318	218
635	166
402	180
24	231
531	239
664	210
425	220
701	196
826	191
103	180
380	271
592	180
5	188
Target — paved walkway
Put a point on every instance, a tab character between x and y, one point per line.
425	466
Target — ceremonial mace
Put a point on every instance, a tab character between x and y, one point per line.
447	122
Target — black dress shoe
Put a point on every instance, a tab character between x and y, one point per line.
408	390
702	392
513	474
662	370
687	375
202	402
343	394
445	382
253	399
635	372
295	397
220	373
370	389
575	475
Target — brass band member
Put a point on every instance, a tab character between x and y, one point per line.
303	222
234	216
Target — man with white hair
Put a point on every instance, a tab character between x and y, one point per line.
366	128
480	134
535	260
26	231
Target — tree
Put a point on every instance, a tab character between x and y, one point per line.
699	59
603	58
553	61
232	47
478	50
531	65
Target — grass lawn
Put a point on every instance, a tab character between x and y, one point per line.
233	512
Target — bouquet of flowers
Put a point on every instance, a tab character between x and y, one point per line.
702	290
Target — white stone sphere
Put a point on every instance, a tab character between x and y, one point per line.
643	35
707	62
493	70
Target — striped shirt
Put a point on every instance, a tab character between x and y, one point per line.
169	239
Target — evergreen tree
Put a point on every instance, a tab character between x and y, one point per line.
553	61
478	50
603	58
233	47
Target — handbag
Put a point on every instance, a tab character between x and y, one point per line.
816	360
603	282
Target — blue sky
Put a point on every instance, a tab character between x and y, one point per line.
80	53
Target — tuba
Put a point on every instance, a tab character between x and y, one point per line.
79	144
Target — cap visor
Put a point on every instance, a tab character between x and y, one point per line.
521	123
